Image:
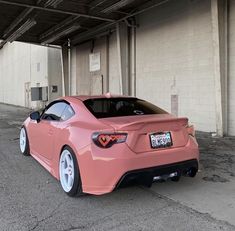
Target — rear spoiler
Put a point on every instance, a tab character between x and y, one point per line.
139	124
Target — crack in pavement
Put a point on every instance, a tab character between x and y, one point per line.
102	219
90	224
38	222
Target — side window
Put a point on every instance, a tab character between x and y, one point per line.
54	112
67	113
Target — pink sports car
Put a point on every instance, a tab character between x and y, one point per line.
95	144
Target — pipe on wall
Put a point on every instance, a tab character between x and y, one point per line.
119	58
107	63
133	58
69	67
62	72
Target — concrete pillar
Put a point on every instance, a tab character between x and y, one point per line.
123	57
65	69
219	36
73	71
133	60
106	82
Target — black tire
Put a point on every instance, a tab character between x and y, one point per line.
26	151
76	189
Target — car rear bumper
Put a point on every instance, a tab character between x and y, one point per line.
103	170
146	176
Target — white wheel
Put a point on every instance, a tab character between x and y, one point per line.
67	170
24	143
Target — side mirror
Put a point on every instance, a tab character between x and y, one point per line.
35	116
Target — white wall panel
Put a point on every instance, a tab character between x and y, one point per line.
54	73
14	72
22	63
174	57
90	82
114	82
74	71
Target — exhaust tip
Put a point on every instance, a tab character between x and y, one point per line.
191	172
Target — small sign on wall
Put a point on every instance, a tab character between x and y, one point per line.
94	61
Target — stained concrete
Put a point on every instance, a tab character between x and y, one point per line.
31	199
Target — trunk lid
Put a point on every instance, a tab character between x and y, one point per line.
140	127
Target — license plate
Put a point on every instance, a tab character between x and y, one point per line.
160	140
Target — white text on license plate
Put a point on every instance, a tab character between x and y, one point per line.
159	140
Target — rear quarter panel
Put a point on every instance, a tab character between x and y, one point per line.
76	133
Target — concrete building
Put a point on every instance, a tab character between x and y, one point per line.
25	66
178	54
176	58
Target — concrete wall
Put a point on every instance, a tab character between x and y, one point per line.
83	74
91	82
54	72
114	82
231	68
23	66
14	73
174	60
38	65
74	71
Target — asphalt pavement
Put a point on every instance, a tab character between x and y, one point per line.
31	199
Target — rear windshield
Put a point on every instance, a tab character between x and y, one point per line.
113	107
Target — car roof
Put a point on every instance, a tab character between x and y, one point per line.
107	95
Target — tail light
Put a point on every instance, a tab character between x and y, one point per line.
106	140
191	130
